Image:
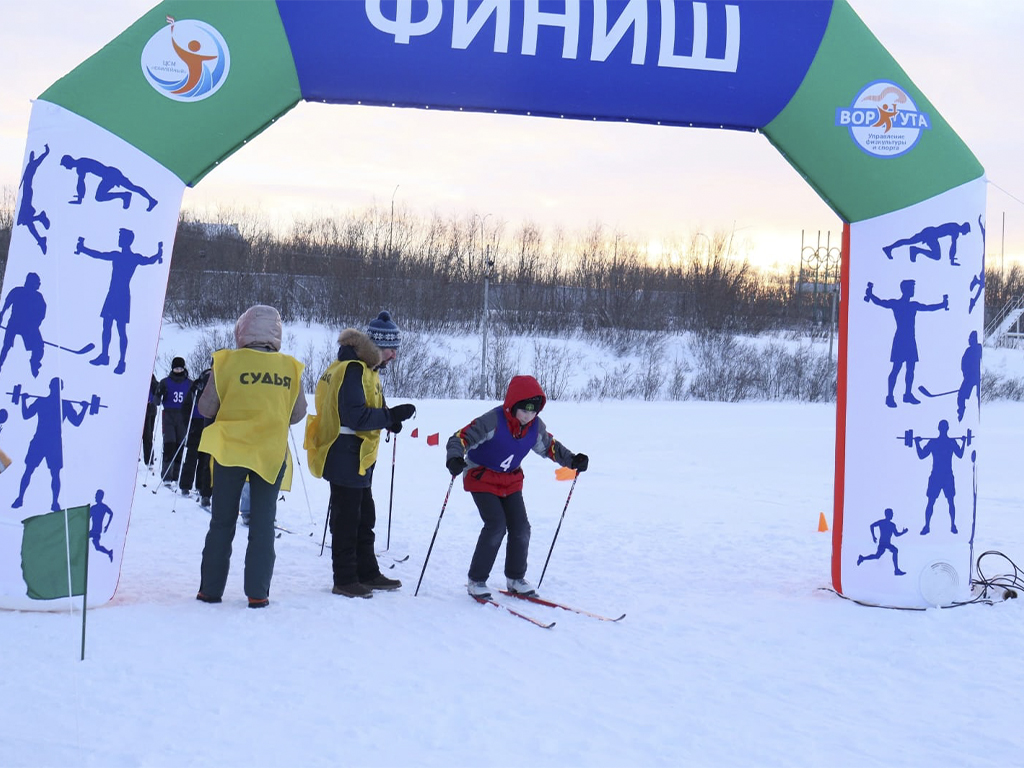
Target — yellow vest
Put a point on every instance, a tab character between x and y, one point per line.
257	393
323	428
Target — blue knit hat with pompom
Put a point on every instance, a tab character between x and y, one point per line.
383	332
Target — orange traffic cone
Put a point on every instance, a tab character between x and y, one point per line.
822	525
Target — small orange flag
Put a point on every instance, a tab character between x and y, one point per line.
433	439
564	473
822	524
414	433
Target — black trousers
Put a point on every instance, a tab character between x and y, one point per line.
501	514
147	433
352	516
195	468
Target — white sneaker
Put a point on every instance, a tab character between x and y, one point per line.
521	587
478	589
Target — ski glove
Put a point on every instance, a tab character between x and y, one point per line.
399	414
580	462
455	465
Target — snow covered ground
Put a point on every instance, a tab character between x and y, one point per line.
698	520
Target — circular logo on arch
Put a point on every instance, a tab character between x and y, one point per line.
186	60
883	120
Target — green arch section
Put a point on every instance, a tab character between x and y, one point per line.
856	185
188	139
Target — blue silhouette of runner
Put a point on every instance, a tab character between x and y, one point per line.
970	366
926	242
109	178
27	215
46	444
904	341
886	530
978	281
98	514
28	308
941	449
118	304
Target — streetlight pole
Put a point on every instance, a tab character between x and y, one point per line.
391	228
483	342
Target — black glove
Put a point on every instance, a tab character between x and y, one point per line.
399	414
580	462
455	465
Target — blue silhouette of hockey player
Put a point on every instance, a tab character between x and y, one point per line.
886	531
46	445
118	304
970	366
941	449
926	242
109	178
904	341
98	514
27	215
28	308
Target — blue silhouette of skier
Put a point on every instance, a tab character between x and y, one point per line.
109	178
942	450
27	215
98	514
118	304
978	281
886	530
926	242
970	366
28	308
46	445
904	341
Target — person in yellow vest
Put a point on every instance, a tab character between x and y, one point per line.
254	393
341	446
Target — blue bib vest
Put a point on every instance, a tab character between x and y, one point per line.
503	452
174	397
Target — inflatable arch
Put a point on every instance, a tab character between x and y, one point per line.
112	145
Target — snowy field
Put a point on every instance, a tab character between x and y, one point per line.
697	520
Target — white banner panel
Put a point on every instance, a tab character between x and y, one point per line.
916	318
83	300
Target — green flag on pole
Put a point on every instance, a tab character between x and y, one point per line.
44	553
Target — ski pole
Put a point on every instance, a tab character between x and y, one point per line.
302	477
436	527
184	457
557	529
391	497
326	521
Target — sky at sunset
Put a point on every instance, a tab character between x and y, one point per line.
654	184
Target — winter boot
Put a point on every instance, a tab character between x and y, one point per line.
382	582
521	587
478	589
256	602
355	589
207	598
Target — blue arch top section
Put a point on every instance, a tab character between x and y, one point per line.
717	64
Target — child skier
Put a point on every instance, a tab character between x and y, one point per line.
489	451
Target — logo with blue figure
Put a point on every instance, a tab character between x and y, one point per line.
926	242
28	308
186	60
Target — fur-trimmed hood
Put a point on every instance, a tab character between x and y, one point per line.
362	346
